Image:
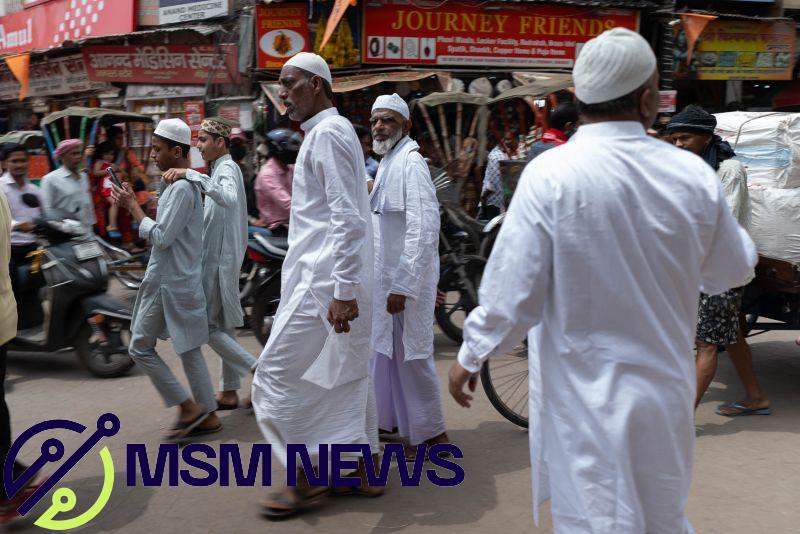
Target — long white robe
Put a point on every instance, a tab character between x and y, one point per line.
224	240
406	225
330	255
607	243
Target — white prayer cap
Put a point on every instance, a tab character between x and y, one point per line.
311	63
393	102
613	64
174	130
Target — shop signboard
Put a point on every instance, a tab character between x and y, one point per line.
174	11
51	23
667	101
738	50
147	13
487	34
284	29
61	76
281	32
162	64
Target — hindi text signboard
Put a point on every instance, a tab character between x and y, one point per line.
738	50
61	76
161	64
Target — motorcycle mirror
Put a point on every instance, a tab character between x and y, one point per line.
30	200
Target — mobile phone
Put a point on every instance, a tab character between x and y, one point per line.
114	178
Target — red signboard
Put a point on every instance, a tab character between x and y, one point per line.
281	32
523	35
162	64
50	24
195	112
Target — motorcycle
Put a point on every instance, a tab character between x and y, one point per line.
261	289
460	269
70	268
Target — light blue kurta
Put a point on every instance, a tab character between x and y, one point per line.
172	281
66	196
224	240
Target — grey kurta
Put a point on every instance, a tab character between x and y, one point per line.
224	240
173	277
66	196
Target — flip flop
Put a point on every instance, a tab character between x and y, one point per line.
742	410
185	427
355	491
114	234
204	431
291	507
224	406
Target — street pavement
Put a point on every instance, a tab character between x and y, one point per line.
746	476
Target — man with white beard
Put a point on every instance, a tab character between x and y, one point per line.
312	384
405	214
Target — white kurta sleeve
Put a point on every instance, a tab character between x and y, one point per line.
338	170
222	190
516	281
731	255
48	196
421	230
172	219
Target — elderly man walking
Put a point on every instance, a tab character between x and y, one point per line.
170	302
312	383
406	225
224	246
608	241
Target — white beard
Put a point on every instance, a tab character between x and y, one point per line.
382	147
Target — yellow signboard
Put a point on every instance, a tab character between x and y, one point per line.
738	50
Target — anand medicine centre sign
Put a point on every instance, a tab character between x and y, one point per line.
488	34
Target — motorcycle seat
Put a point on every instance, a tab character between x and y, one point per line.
276	246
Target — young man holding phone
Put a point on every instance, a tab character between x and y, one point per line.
171	302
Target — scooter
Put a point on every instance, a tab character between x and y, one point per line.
70	273
262	288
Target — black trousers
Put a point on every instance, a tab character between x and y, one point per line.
29	309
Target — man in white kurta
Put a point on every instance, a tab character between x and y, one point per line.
607	242
224	246
312	386
405	215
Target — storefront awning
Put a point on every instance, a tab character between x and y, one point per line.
345	84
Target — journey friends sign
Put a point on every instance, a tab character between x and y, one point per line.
487	34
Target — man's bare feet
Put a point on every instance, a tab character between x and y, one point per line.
364	489
745	407
228	400
411	451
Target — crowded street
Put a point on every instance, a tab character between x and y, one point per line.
755	455
391	265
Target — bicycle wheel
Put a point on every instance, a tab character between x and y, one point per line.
505	381
451	315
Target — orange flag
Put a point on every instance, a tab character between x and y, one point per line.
19	66
339	7
693	26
